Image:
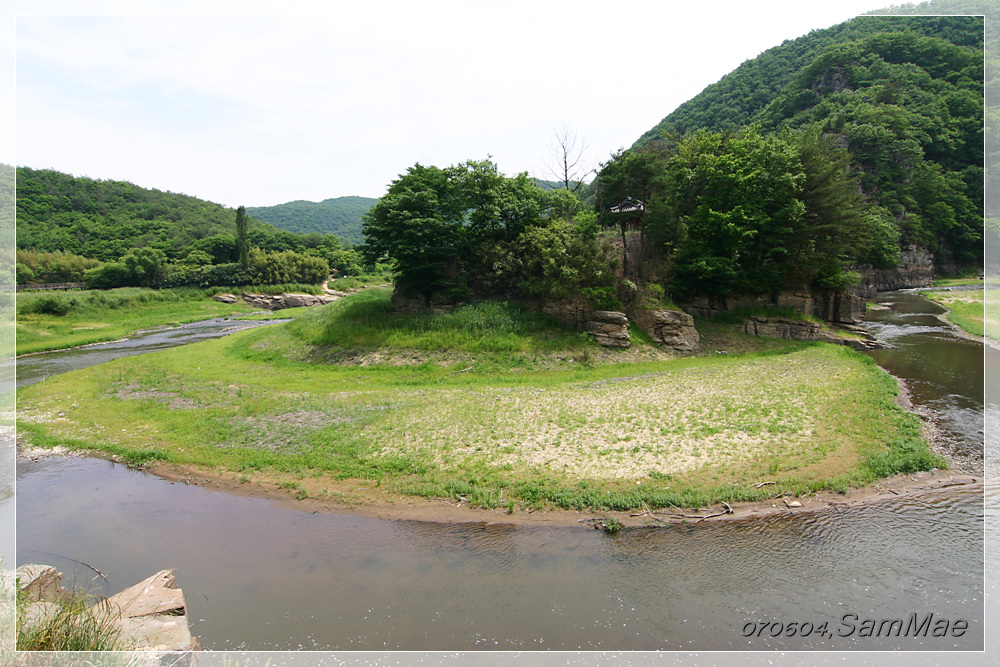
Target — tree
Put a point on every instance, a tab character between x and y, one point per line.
735	194
242	244
566	161
419	226
453	233
144	266
835	228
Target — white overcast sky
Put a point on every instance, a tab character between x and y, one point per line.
258	103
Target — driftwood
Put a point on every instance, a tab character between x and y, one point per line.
728	510
757	486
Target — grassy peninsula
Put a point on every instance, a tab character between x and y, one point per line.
490	405
975	311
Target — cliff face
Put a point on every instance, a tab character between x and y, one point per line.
915	270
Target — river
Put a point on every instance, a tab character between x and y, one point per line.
262	576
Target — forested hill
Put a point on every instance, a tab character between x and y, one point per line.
104	219
739	97
340	216
903	94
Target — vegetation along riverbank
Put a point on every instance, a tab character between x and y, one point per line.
972	306
489	406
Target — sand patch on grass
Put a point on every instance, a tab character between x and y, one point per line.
668	422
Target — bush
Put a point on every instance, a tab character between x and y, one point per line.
107	276
49	304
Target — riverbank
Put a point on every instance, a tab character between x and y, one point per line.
48	321
521	422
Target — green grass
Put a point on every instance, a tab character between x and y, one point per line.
953	281
78	622
358	282
479	423
368	321
58	320
966	308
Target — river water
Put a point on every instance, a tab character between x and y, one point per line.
262	576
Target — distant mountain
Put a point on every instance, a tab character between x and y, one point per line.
340	216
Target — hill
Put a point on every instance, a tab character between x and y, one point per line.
903	94
340	216
104	219
740	96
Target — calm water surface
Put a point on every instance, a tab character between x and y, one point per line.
261	576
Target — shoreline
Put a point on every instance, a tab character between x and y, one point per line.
364	498
377	504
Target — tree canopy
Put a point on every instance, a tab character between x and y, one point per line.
468	230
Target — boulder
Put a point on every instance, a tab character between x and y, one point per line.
152	615
226	298
609	328
673	328
40	582
274	302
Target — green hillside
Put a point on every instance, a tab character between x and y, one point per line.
340	216
903	95
740	96
104	219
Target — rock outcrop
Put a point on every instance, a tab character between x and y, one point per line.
673	328
916	269
609	327
226	298
839	307
274	302
152	615
781	327
574	314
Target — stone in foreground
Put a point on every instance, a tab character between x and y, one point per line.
153	616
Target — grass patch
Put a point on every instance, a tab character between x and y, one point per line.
686	431
47	321
953	281
495	329
79	621
966	308
358	282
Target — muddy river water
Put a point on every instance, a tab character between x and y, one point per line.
262	576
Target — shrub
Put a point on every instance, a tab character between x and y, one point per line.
48	304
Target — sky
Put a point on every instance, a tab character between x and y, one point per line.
257	103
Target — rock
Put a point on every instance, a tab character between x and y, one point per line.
153	615
673	328
609	328
40	582
916	269
226	298
274	302
792	503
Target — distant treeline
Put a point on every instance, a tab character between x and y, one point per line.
114	233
